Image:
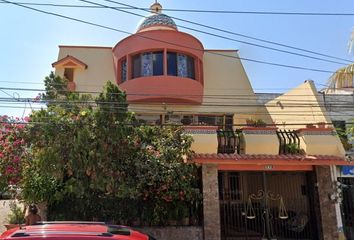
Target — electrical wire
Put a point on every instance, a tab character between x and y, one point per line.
201	10
211	34
153	94
210	27
205	88
118	105
175	44
238	34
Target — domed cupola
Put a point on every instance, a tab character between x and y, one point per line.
159	63
157	20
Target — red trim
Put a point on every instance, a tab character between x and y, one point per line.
315	129
259	128
264	161
152	32
266	167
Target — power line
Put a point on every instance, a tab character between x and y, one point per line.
211	34
206	88
241	97
252	96
241	35
206	26
293	104
175	44
200	10
290	101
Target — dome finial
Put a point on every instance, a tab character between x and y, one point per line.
156	7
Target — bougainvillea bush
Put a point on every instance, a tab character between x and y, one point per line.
12	152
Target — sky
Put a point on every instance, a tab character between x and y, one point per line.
29	40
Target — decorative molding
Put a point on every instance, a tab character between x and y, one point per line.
200	129
259	131
318	132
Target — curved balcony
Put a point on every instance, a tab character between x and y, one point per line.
167	89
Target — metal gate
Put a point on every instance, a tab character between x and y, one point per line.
259	205
347	206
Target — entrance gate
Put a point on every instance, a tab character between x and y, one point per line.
259	205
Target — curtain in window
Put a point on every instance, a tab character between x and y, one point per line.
190	67
147	66
182	65
158	63
124	70
171	64
136	66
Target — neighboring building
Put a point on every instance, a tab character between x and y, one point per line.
338	98
257	181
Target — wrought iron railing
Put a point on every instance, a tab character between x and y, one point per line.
289	142
228	141
231	141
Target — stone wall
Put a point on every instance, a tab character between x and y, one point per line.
328	218
211	207
175	233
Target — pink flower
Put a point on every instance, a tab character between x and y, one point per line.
16	159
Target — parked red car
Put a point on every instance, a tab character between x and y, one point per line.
74	231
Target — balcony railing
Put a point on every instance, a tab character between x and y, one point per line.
230	142
289	142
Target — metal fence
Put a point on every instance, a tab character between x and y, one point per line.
255	205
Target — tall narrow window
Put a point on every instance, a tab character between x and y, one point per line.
172	64
158	63
124	70
190	67
136	66
147	64
69	74
180	65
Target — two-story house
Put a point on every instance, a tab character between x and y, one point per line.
267	169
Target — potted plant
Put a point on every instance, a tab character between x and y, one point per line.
310	125
15	217
292	148
256	123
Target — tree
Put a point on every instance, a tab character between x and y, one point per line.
344	76
90	159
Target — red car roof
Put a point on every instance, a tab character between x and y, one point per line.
73	231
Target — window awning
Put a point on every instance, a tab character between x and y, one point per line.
69	62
